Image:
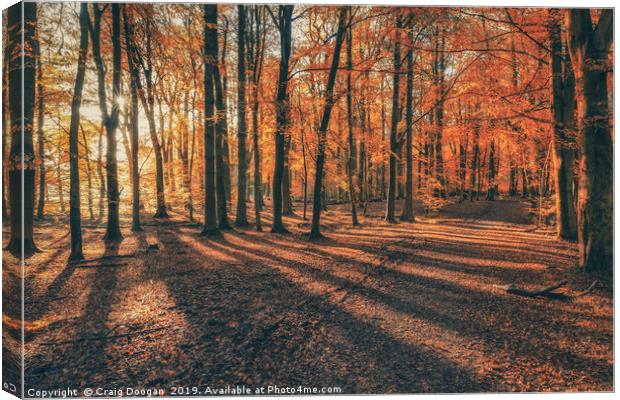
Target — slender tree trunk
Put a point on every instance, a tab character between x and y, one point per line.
491	189
169	149
74	166
134	121
148	103
221	128
183	146
110	121
351	158
329	104
463	166
61	191
89	175
226	147
102	187
113	231
589	52
190	199
287	203
22	21
255	144
408	205
241	217
474	162
282	114
256	51
440	78
564	132
5	128
391	199
40	133
303	152
210	54
524	178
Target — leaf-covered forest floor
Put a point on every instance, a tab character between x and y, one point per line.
373	309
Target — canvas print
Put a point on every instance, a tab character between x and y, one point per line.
297	199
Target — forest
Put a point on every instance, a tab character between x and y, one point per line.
358	199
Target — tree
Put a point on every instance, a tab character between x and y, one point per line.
110	120
74	195
210	61
148	103
22	22
439	72
221	129
5	123
351	157
241	218
256	50
408	204
391	198
134	85
491	190
563	139
40	133
283	23
589	52
315	230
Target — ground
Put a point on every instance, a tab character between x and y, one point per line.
381	308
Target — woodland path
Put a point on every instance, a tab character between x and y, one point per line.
376	309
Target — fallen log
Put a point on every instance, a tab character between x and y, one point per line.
547	291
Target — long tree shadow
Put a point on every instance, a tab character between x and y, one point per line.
479	304
407	251
264	329
86	351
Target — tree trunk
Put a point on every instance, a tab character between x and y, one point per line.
210	53
282	114
329	104
351	160
391	199
287	203
256	47
5	128
474	162
22	21
255	144
40	133
564	132
407	214
74	167
221	129
102	187
148	103
89	175
241	217
60	187
113	230
226	147
589	52
110	121
463	166
303	153
491	187
440	70
190	200
383	135
134	121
